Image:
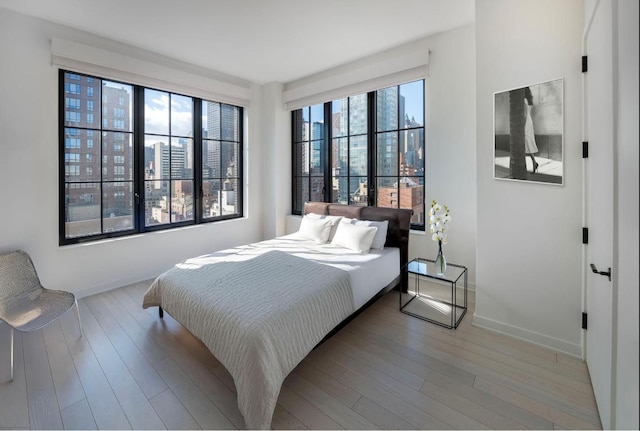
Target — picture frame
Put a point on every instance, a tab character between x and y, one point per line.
528	125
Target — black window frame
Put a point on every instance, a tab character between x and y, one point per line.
297	201
138	163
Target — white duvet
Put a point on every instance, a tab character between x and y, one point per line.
260	311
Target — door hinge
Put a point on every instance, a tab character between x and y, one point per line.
585	149
584	320
584	63
585	235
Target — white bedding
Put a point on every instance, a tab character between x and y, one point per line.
368	272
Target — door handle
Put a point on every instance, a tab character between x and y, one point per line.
595	271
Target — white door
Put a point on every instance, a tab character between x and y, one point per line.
599	205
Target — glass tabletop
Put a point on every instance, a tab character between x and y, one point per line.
427	268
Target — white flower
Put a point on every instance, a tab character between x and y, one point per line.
439	218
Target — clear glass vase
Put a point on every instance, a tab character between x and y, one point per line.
440	262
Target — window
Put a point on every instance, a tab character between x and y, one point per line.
168	143
399	143
221	151
72	157
367	149
309	157
349	121
72	117
121	175
72	88
72	103
70	141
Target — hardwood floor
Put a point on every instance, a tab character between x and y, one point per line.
383	370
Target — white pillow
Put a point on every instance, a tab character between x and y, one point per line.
354	237
334	222
381	234
314	229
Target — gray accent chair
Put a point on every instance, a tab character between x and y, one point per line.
24	304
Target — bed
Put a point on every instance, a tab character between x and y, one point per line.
261	308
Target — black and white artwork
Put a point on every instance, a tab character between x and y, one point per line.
528	133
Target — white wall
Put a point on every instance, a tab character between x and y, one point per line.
528	257
450	152
276	162
628	140
29	178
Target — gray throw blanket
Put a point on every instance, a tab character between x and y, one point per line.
259	318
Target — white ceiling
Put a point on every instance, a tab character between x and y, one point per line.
257	40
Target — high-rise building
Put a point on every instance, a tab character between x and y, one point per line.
405	193
161	163
222	122
98	155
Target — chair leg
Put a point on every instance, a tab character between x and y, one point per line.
11	355
78	316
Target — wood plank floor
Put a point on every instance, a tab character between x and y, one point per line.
384	370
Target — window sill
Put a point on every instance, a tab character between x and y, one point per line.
147	234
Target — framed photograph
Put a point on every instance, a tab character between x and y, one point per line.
528	133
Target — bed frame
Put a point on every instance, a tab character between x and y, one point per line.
262	371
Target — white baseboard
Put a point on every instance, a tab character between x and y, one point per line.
109	286
529	336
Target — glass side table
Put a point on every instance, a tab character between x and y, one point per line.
442	306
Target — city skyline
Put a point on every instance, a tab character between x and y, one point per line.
99	157
398	143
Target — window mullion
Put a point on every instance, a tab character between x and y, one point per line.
348	129
371	149
294	188
240	163
197	161
102	179
138	157
399	149
326	152
170	151
62	184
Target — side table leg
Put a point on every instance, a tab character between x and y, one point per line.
454	291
